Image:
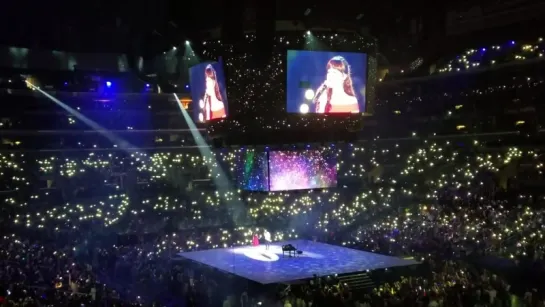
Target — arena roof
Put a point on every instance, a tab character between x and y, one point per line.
120	26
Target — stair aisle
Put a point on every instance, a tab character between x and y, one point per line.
358	281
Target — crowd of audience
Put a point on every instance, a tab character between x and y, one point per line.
428	199
499	54
98	224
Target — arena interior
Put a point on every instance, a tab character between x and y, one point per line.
271	154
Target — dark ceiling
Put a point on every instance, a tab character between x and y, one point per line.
152	25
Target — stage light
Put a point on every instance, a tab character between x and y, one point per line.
308	33
108	83
187	42
187	86
173	48
259	253
304	108
309	94
147	84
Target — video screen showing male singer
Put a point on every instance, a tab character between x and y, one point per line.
326	82
208	91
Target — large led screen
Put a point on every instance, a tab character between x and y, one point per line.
252	170
208	91
326	82
298	170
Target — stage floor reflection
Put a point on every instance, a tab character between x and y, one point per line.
270	266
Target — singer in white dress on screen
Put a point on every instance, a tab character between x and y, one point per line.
336	94
267	237
211	105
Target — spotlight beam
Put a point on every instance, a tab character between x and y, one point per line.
98	128
224	186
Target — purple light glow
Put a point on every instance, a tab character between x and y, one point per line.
298	170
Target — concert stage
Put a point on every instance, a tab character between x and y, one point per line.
270	266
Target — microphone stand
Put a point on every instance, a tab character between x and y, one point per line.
319	93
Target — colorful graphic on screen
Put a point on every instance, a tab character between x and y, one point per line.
326	82
252	170
208	91
298	170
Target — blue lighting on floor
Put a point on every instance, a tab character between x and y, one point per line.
268	266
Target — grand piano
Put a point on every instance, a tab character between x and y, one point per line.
290	250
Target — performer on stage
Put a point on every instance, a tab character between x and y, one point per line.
267	237
255	240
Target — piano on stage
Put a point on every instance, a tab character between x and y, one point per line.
290	249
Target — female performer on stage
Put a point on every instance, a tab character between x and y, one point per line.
212	102
255	240
336	94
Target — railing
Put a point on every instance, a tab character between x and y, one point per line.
68	131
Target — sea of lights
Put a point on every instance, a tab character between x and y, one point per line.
418	188
422	173
405	189
251	170
488	56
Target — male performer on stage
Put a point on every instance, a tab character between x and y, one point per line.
267	237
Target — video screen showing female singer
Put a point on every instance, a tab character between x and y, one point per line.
336	94
207	87
326	82
212	102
